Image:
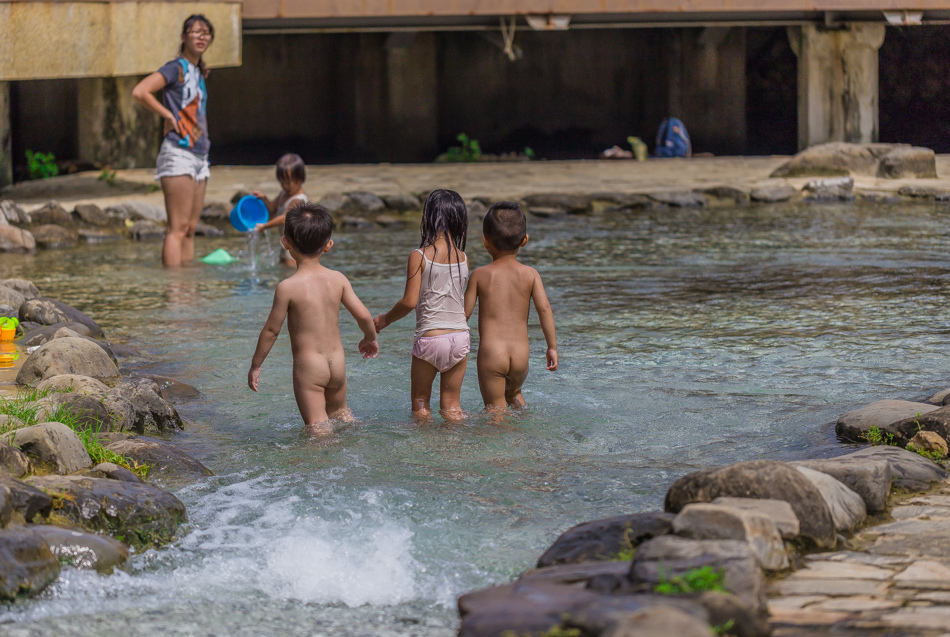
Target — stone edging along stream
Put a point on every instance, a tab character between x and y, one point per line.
74	493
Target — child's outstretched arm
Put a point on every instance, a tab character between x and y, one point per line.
270	203
368	347
265	341
543	307
471	294
409	298
278	220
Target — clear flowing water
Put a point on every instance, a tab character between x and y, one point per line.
687	339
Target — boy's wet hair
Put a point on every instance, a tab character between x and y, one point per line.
505	226
291	166
308	227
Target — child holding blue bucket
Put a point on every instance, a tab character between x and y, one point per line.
291	173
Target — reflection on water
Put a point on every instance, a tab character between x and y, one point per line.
687	339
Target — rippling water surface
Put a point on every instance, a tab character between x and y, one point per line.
687	339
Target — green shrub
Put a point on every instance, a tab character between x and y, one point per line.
697	580
41	165
470	150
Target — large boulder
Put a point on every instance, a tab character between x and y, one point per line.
50	213
47	311
9	296
680	199
52	444
908	162
842	159
45	333
402	203
23	286
74	383
164	459
137	210
27	565
140	515
10	212
882	414
767	479
663	558
29	503
366	203
50	237
89	412
779	511
172	390
772	193
659	621
13	239
569	204
13	461
339	205
84	550
869	478
151	411
67	356
910	470
718	522
113	472
604	539
847	508
143	230
936	420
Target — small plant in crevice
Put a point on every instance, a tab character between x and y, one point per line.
41	165
934	455
698	580
723	628
107	175
468	150
877	436
627	549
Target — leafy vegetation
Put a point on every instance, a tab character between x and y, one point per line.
697	580
723	629
934	455
107	176
469	150
877	436
41	165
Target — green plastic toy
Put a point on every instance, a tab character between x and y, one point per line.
219	257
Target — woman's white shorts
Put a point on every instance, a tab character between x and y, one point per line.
174	161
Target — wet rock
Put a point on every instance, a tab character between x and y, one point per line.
668	556
339	204
13	239
567	203
29	503
877	197
137	210
47	311
24	287
476	212
833	189
92	214
172	390
680	199
27	565
935	420
659	621
910	470
164	459
140	515
606	613
366	203
52	237
847	508
84	550
622	201
143	230
74	383
737	195
204	230
765	479
6	506
50	214
122	413
908	162
217	211
114	472
578	573
718	522
723	608
883	414
67	356
869	478
390	222
152	412
942	397
930	442
920	191
355	223
12	213
779	511
13	461
122	350
604	539
96	236
90	412
8	310
836	159
53	444
402	203
772	194
45	333
10	297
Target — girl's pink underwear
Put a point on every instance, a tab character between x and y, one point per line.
443	351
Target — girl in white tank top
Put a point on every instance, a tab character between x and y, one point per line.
291	174
435	288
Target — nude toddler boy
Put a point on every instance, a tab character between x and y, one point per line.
505	289
310	300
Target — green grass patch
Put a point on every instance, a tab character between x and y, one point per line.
698	580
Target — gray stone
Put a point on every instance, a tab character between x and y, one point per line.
910	470
13	461
765	479
680	199
732	193
47	311
606	613
356	223
578	573
940	398
164	459
724	608
668	556
50	214
854	425
9	296
152	412
92	214
29	503
114	472
53	444
12	213
74	383
933	420
921	191
143	230
659	621
6	506
219	211
779	511
122	413
96	236
27	565
45	334
13	239
172	390
52	237
604	539
137	210
772	194
366	203
834	587
338	204
8	310
402	203
66	356
90	412
847	508
547	213
830	190
718	522
930	442
908	162
391	222
623	201
24	287
476	212
869	478
204	230
140	515
836	159
84	550
568	203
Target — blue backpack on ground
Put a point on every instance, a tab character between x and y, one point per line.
672	140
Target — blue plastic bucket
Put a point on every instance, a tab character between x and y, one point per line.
248	212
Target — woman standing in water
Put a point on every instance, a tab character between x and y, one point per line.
182	165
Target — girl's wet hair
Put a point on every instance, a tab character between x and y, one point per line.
292	166
445	213
186	27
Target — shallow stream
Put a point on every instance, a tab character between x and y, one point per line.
687	339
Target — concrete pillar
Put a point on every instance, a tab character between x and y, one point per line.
6	149
707	87
114	129
837	83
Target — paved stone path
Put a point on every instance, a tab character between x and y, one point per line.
894	580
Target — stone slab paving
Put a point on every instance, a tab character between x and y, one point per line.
893	580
